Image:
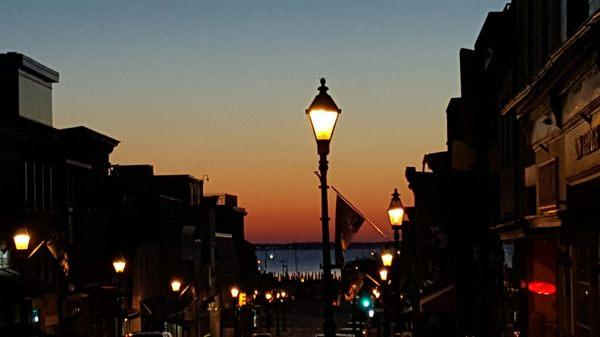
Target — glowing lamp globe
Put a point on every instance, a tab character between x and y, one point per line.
323	114
235	291
396	210
386	259
119	264
21	239
175	285
383	274
268	296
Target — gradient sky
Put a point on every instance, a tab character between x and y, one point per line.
220	88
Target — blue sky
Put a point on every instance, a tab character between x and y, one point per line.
220	88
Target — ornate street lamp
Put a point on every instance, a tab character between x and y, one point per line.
175	285
396	213
21	239
323	114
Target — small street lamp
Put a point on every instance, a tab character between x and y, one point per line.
383	274
323	114
235	292
175	285
386	259
21	239
119	264
396	214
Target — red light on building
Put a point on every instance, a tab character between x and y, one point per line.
541	288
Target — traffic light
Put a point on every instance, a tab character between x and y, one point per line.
365	301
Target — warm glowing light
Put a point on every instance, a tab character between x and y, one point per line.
175	285
22	239
386	259
383	274
376	293
323	123
396	210
283	294
119	264
323	114
268	296
235	291
542	288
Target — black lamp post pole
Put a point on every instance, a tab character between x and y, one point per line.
329	323
119	318
396	241
235	318
320	113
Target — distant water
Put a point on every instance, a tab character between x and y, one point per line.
291	259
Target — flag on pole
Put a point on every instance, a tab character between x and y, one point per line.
347	224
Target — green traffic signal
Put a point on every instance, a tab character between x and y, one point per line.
365	302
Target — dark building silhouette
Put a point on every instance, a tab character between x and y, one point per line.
53	184
81	212
517	190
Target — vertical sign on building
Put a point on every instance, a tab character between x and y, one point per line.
548	184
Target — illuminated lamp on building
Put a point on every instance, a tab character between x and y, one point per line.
541	288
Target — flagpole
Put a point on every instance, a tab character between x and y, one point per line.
357	211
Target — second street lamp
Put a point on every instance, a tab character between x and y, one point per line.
396	214
323	114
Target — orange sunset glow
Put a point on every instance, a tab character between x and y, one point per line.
201	98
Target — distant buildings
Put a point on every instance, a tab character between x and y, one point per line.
81	212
